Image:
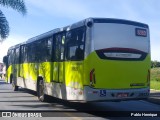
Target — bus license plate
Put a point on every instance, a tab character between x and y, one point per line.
120	95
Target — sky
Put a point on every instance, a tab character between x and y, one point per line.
45	15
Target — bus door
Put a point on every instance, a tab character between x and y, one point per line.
23	58
58	66
74	58
15	69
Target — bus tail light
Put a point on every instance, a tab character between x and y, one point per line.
92	76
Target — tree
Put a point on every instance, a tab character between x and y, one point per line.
155	63
17	5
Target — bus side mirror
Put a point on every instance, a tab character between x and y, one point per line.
5	59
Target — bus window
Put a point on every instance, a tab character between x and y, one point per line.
9	57
62	47
31	52
23	54
59	43
75	44
17	55
46	49
57	47
49	48
79	52
38	47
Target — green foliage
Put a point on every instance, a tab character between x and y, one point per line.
155	85
4	26
17	5
155	78
155	74
155	64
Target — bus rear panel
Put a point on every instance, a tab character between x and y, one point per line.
118	66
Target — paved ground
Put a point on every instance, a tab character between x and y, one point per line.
24	100
154	97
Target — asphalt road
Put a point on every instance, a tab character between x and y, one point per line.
26	101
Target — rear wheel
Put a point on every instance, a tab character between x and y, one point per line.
40	91
14	86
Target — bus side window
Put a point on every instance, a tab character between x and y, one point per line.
59	44
12	55
22	54
9	57
44	50
79	53
31	52
25	54
39	51
49	49
75	44
17	53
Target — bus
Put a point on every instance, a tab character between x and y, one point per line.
96	59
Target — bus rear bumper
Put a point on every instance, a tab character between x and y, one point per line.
91	94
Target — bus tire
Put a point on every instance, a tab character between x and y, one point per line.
10	80
14	86
40	91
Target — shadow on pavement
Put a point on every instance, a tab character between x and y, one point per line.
80	109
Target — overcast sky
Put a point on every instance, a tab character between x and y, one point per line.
45	15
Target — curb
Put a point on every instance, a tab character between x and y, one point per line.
152	98
154	90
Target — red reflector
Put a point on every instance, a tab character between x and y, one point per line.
95	92
91	75
122	95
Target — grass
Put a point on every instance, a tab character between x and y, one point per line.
155	78
155	85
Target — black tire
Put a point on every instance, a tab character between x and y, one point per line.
40	91
14	86
11	78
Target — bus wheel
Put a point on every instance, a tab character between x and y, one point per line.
14	86
40	91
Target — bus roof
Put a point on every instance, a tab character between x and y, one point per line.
119	21
44	35
82	23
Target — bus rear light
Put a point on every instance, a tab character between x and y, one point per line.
92	77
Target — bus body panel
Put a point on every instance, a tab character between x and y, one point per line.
55	72
74	74
8	73
45	71
91	94
113	74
